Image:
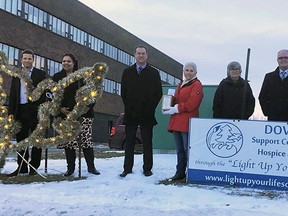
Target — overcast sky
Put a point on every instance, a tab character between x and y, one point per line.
210	33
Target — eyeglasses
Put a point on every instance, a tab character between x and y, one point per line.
283	58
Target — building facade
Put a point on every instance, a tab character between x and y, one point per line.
51	29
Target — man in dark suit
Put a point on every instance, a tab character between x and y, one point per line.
141	91
273	96
25	111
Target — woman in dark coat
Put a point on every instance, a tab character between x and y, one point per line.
69	65
233	98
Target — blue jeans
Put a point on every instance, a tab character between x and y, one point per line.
181	140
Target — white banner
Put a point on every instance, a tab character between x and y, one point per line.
238	152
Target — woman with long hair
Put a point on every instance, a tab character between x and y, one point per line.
69	65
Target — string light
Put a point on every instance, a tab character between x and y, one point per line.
93	93
67	128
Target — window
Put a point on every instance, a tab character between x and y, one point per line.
100	46
16	59
35	15
40	18
123	57
53	67
88	40
11	54
60	27
67	30
163	75
8	6
170	79
82	37
177	81
2	5
93	43
132	60
118	89
15	7
53	23
30	13
39	62
111	86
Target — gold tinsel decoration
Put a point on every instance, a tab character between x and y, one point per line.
66	129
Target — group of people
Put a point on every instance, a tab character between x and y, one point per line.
233	95
26	111
141	91
234	98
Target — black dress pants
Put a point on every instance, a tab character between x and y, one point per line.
146	135
27	116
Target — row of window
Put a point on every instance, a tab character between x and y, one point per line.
60	27
13	54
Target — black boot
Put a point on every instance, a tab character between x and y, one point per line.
70	158
17	171
178	176
22	166
89	157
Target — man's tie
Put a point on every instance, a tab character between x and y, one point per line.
139	70
283	75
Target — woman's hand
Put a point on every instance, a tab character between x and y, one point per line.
171	110
64	110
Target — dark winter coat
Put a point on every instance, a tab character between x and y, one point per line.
69	95
14	100
188	97
273	97
228	100
140	94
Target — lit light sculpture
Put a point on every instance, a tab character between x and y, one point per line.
67	129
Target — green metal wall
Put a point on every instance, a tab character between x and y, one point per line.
162	139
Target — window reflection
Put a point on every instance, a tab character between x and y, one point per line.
52	67
58	26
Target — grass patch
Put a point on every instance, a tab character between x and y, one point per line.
170	182
109	154
270	194
98	154
55	155
26	179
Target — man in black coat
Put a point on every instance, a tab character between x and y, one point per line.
141	91
25	111
273	96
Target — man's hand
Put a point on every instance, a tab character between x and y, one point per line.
11	117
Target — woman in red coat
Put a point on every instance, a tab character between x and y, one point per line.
188	97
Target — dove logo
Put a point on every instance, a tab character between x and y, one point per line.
224	139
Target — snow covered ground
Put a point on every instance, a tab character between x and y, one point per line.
109	195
